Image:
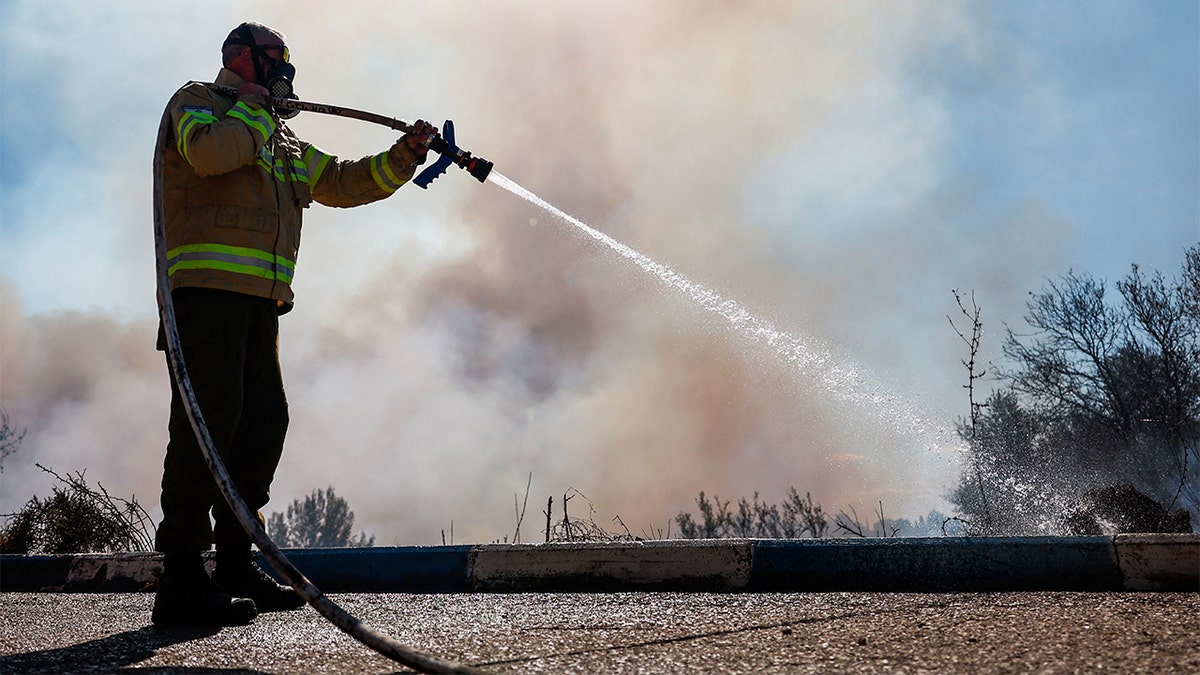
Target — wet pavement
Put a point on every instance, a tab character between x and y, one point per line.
1060	632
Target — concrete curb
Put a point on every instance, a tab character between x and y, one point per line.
1149	562
1156	562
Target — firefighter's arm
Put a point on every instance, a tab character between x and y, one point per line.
346	183
215	144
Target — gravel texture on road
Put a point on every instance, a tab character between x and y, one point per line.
632	633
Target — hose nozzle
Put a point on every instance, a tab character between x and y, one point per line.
452	154
476	166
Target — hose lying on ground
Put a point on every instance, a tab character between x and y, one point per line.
314	596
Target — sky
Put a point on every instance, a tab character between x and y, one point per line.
836	169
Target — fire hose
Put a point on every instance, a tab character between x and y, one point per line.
443	145
381	643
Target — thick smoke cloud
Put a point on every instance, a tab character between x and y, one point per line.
804	159
557	358
87	391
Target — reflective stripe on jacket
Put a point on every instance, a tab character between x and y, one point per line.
235	184
232	259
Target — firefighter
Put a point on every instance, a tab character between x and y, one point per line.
236	182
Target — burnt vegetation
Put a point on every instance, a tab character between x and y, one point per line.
1095	427
799	517
77	518
794	518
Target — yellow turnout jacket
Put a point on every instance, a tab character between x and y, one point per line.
235	183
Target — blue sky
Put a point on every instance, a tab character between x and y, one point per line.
835	167
1113	138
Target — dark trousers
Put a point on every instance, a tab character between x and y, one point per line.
231	352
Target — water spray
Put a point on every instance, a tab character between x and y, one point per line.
804	354
351	625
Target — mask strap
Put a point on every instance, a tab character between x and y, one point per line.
245	36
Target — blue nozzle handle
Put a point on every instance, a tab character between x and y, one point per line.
450	153
446	150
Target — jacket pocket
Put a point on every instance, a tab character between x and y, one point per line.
228	217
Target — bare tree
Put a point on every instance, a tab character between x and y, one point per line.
1164	348
968	429
1100	392
1068	360
10	438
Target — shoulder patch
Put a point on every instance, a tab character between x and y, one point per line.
203	109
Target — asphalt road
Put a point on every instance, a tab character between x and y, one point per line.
632	633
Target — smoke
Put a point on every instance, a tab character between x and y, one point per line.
90	393
536	351
801	158
431	390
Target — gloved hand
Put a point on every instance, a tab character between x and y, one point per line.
419	137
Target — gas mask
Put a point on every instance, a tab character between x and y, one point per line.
278	78
275	75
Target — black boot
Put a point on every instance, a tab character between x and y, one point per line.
188	597
239	576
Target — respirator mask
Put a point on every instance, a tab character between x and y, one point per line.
274	74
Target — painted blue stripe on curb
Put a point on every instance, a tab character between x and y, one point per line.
1129	562
937	564
677	565
33	572
395	569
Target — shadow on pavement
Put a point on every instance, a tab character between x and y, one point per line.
114	653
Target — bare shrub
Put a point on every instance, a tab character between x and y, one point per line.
795	518
77	518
